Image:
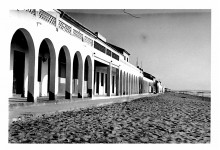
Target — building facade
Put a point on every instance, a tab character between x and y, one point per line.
52	55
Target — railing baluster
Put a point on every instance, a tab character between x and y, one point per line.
32	11
47	17
88	40
64	27
77	34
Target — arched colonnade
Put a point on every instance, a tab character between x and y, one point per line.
58	75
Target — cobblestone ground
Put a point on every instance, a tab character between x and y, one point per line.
168	118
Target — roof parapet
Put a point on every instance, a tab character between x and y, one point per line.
121	50
69	19
100	36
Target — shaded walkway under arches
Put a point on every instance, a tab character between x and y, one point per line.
46	69
22	62
77	75
64	72
88	76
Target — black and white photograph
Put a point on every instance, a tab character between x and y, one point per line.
116	75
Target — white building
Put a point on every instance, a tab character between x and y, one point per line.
52	55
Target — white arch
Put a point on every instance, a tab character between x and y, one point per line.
29	61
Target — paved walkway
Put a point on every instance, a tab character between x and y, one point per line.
24	110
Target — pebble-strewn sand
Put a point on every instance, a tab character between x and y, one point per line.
168	118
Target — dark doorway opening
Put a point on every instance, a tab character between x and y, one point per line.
97	83
18	73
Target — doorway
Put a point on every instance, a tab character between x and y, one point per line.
18	73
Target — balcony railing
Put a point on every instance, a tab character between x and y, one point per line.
88	40
77	34
64	27
47	17
32	11
70	29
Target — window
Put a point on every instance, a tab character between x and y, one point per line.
108	52
115	56
99	47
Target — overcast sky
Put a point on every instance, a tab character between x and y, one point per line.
173	45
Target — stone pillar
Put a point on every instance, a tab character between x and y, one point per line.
57	21
136	88
121	83
52	78
94	81
68	87
56	76
109	80
10	83
125	83
33	87
140	85
91	80
128	87
81	81
117	82
129	84
132	84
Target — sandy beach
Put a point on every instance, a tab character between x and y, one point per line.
167	118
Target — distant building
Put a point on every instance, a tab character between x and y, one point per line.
167	90
52	55
148	82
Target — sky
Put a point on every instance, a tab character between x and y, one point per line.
173	45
